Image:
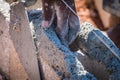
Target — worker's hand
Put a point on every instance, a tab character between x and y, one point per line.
45	24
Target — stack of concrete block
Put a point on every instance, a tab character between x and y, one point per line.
4	45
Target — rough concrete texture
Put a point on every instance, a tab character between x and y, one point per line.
11	67
22	41
98	47
112	6
4	45
59	58
10	64
17	70
108	19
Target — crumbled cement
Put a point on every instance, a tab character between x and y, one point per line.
98	47
73	66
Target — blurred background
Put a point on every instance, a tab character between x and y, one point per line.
103	14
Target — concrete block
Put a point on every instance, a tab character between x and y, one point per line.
108	19
8	55
100	48
4	45
10	65
16	68
22	41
